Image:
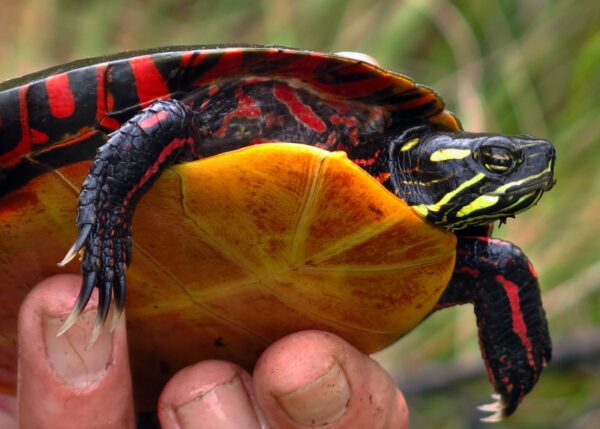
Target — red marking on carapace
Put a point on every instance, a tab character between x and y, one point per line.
105	102
149	82
303	64
60	96
186	57
110	102
302	112
473	272
153	120
518	322
246	108
101	101
369	161
39	137
229	63
416	102
23	147
199	58
153	169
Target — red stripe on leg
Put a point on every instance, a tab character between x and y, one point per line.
153	169
518	322
153	120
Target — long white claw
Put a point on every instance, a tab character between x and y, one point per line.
95	334
69	256
490	408
495	407
115	319
83	235
494	418
82	300
73	316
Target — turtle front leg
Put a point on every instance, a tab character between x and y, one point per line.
499	280
124	168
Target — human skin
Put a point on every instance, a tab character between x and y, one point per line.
308	379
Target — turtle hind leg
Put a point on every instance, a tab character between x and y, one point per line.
498	279
124	168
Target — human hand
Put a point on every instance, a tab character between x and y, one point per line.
304	380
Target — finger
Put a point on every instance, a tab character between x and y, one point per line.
210	394
60	384
315	378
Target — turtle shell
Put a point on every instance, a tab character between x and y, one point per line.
279	238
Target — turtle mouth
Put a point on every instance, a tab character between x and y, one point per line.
523	196
540	185
507	201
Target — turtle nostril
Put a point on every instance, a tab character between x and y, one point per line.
550	151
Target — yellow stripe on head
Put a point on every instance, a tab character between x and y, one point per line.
502	189
449	154
436	207
409	144
421	210
479	203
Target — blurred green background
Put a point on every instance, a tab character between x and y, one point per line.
529	66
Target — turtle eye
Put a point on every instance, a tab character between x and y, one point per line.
497	159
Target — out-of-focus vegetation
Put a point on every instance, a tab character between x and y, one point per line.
503	65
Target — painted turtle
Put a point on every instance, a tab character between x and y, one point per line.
137	113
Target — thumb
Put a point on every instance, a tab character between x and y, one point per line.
61	383
315	378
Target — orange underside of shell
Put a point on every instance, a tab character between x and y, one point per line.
235	251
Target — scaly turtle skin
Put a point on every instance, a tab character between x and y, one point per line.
148	110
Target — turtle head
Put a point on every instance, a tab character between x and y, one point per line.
458	179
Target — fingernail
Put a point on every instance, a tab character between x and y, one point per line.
320	402
68	356
226	406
